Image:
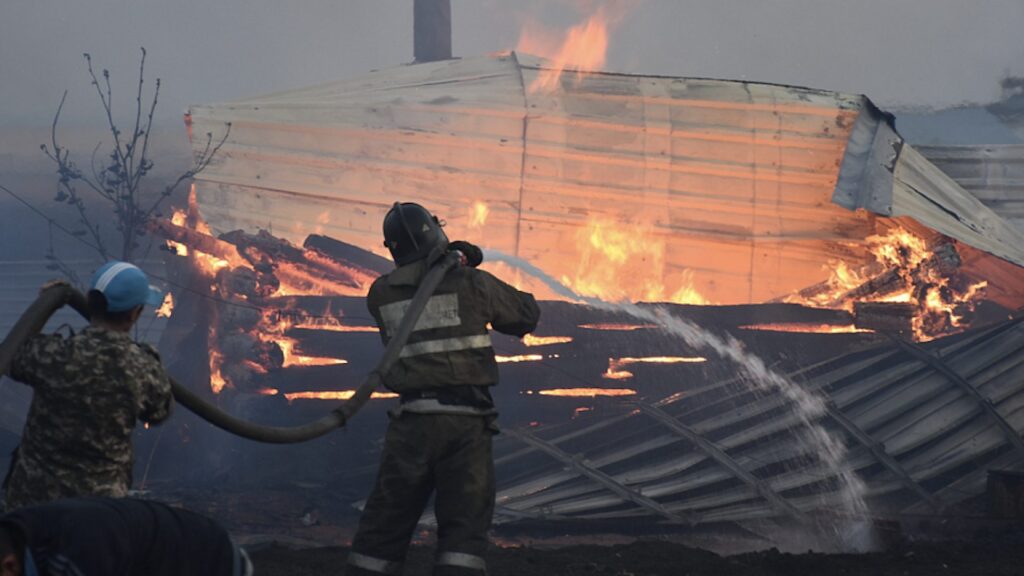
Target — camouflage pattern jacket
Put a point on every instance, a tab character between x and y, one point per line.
450	347
89	390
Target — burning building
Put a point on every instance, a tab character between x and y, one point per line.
797	220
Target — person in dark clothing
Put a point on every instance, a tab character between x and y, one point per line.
123	536
439	438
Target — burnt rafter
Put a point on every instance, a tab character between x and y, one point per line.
714	452
584	468
953	376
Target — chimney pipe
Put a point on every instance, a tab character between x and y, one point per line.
432	30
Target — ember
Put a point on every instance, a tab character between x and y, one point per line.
615	371
617	327
584	392
520	358
806	328
531	340
334	395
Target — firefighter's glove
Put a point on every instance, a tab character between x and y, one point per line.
473	256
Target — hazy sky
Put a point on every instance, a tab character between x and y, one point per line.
899	52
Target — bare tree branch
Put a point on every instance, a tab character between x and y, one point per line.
120	181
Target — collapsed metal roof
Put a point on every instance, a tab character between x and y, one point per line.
992	174
923	424
751	186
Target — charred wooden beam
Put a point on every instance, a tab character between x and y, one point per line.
348	254
313	378
888	317
242	346
195	240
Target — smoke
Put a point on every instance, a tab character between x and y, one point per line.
930	52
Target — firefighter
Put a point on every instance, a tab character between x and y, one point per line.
439	437
101	536
89	389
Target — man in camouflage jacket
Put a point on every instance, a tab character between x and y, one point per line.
89	390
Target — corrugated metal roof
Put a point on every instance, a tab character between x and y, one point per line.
922	425
993	174
735	179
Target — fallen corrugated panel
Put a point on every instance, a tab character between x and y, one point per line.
925	422
993	174
727	185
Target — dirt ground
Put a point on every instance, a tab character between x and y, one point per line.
984	553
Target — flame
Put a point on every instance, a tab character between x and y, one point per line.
627	261
333	395
167	307
615	371
617	327
332	325
531	340
583	47
904	268
808	328
520	358
178	219
293	358
217	381
299	281
584	392
478	214
267	391
580	410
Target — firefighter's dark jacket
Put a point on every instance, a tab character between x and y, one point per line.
450	345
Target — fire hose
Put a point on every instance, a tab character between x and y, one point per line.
52	299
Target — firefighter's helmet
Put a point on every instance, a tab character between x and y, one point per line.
412	233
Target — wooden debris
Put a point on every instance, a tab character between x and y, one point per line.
892	317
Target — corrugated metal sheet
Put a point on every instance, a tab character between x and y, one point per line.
916	436
993	174
733	179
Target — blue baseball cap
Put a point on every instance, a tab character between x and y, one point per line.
125	286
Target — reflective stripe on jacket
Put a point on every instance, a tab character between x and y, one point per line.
450	344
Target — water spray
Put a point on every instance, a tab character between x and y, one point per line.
808	406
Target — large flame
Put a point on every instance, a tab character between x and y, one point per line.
583	48
627	261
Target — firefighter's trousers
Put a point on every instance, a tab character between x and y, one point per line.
446	454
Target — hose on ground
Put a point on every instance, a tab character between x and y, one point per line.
55	297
